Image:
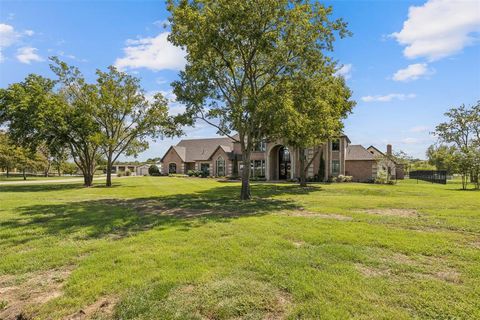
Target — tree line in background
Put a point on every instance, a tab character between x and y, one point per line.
458	148
50	121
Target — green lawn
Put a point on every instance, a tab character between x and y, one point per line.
179	248
19	177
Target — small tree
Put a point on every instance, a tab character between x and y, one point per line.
443	157
153	170
462	131
126	117
69	168
404	159
76	125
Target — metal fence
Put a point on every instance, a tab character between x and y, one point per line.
430	176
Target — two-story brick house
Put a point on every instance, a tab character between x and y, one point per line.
269	160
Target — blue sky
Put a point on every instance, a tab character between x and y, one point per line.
407	61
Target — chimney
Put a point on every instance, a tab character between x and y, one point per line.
389	149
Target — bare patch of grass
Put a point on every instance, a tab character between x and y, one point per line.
37	289
100	309
308	214
370	271
418	266
406	213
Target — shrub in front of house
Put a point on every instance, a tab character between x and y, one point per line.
382	178
128	173
342	178
194	173
258	179
332	179
153	170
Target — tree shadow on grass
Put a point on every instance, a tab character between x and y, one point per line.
41	187
117	218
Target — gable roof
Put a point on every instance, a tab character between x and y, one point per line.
376	149
358	152
227	149
202	149
382	154
179	150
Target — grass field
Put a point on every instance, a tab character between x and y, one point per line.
18	177
178	248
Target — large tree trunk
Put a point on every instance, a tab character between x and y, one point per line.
245	192
464	180
88	175
304	166
303	176
109	171
246	148
8	172
24	174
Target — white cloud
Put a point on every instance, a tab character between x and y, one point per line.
345	71
388	97
152	53
8	36
412	72
28	54
11	37
439	28
174	107
411	141
419	129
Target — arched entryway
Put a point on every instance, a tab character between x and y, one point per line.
280	163
284	163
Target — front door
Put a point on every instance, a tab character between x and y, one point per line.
284	163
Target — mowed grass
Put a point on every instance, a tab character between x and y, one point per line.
180	248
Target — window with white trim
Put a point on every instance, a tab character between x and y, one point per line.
220	167
257	168
335	167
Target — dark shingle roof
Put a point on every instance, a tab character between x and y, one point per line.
358	152
202	149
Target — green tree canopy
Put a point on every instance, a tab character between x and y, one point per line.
240	55
462	132
126	118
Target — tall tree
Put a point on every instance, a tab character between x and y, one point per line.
37	113
320	101
29	109
240	53
462	130
443	157
7	153
126	118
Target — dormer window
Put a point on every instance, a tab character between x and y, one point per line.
336	145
